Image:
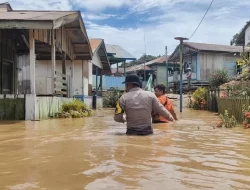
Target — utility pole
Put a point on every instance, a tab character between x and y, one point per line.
166	53
181	39
145	50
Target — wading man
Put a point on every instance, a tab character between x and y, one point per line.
160	91
138	106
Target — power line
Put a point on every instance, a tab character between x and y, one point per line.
202	19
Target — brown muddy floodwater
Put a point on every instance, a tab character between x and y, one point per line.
92	153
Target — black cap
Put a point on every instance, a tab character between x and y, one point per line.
133	79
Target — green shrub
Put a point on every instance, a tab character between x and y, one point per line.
198	101
228	122
111	97
75	109
218	78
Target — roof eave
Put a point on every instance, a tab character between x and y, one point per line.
241	39
26	24
85	32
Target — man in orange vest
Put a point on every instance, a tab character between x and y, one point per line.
165	101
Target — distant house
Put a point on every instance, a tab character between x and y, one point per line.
156	67
116	54
42	57
97	67
244	36
204	59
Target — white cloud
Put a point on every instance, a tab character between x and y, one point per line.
217	28
169	18
40	4
90	16
98	5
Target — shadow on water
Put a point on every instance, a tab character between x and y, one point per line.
94	153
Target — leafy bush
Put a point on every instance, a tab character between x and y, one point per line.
111	97
246	117
75	109
228	122
198	101
218	78
237	91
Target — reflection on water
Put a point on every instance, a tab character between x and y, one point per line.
94	153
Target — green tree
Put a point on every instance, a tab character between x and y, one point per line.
141	60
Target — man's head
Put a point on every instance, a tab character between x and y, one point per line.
132	81
160	90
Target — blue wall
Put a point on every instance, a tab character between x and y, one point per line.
110	81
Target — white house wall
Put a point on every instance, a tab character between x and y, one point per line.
96	60
44	76
90	72
81	77
247	36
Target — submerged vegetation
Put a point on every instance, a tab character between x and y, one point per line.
227	121
75	109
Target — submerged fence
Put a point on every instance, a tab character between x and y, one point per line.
12	107
234	106
212	96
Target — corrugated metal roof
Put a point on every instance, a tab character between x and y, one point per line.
34	15
95	43
120	70
98	46
138	68
119	52
213	47
161	59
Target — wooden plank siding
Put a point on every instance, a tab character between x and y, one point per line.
210	62
7	62
63	42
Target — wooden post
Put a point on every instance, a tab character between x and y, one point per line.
124	66
166	53
53	61
96	82
30	102
64	67
117	70
72	78
1	61
32	63
101	82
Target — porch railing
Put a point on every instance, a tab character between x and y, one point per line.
62	84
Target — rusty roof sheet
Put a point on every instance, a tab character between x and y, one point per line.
35	15
95	43
138	68
119	52
213	47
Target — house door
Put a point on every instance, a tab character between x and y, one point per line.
7	83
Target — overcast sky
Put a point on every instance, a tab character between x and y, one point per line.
123	22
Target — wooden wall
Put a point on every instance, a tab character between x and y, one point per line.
62	38
7	63
210	62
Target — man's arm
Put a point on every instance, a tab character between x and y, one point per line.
161	110
119	111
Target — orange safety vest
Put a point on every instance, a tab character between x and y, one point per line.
166	102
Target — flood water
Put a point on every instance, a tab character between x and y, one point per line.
93	153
